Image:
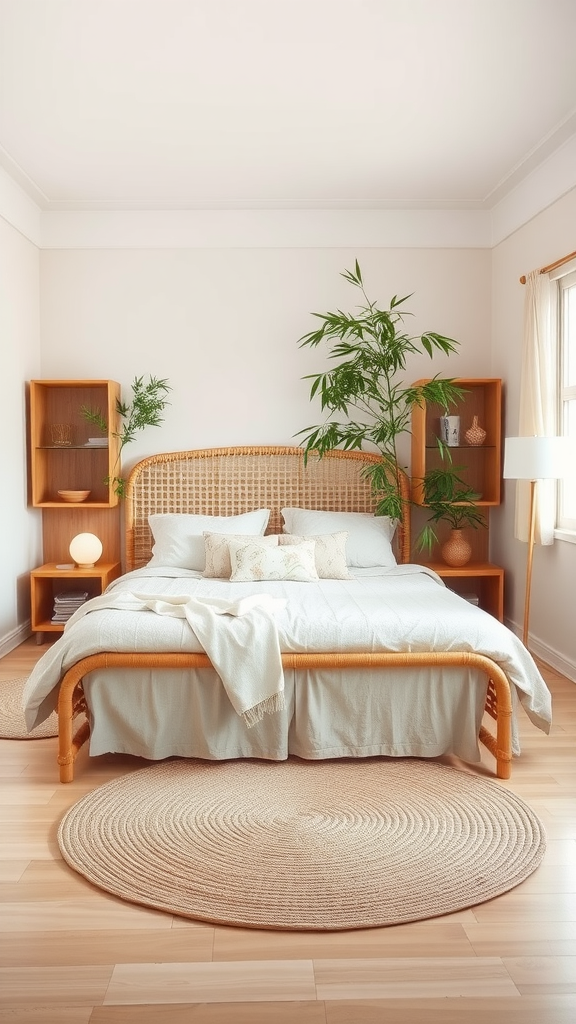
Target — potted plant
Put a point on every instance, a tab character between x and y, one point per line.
449	499
148	402
370	348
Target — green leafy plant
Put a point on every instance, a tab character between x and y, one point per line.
145	410
448	499
370	349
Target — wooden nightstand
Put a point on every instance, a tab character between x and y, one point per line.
48	580
482	579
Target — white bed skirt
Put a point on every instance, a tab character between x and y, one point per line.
406	712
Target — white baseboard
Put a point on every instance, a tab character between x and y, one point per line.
15	638
555	659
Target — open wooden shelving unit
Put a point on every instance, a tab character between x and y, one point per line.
480	466
74	465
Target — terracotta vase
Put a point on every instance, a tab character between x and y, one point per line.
456	551
475	435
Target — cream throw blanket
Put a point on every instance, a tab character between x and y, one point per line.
240	638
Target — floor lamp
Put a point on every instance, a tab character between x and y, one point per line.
533	459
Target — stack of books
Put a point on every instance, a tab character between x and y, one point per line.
67	603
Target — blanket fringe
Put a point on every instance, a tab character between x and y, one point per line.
266	707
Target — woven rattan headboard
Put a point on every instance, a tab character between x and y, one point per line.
228	481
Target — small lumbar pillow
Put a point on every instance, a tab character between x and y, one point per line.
369	537
218	551
179	540
329	553
252	562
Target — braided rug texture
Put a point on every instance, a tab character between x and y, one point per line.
297	845
12	724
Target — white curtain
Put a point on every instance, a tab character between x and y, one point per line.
538	402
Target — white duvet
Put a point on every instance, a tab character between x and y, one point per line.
406	608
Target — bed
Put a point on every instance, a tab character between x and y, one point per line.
339	657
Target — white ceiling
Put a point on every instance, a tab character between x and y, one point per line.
282	103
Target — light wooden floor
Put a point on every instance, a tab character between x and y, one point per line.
72	954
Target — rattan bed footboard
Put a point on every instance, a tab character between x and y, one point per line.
498	702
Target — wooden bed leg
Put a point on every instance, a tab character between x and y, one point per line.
68	704
67	757
66	770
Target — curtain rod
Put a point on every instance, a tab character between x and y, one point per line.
551	266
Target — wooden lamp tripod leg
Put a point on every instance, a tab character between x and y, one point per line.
529	562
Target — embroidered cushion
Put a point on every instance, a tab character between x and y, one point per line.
329	553
253	562
218	551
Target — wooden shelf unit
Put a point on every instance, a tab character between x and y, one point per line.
48	580
480	579
480	467
76	465
61	458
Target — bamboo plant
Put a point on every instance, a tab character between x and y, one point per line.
145	410
370	348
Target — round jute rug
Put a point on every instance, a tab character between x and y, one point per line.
12	724
322	845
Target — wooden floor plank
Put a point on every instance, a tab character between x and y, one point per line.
105	946
526	1010
82	986
425	978
46	1014
247	981
302	1012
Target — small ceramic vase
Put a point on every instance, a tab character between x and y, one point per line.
475	435
450	430
456	551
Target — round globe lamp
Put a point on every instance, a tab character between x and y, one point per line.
85	550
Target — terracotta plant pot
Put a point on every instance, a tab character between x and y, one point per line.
456	551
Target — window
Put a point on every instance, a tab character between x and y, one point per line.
566	516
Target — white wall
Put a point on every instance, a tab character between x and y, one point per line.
20	541
543	240
223	325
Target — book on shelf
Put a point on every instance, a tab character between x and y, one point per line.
66	603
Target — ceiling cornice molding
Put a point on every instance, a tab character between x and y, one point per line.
547	183
391	226
18	209
546	147
218	229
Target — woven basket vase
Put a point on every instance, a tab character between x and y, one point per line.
456	551
475	435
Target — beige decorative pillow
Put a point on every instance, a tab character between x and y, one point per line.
253	562
218	552
369	537
329	553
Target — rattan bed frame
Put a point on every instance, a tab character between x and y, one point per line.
229	481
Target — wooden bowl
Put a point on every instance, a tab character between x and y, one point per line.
76	496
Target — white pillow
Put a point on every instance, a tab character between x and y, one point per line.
218	551
179	540
253	562
329	553
369	537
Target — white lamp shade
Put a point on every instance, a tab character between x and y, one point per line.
85	550
535	458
